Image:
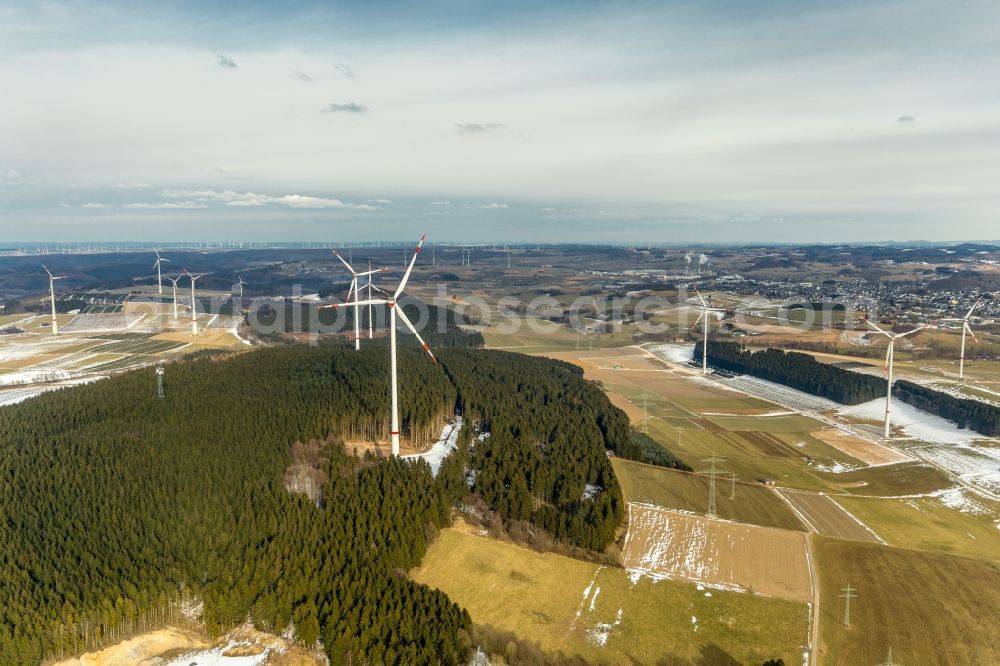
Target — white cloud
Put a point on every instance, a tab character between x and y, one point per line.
252	199
441	203
168	205
490	206
301	201
95	205
65	205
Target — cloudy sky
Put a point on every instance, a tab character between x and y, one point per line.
600	121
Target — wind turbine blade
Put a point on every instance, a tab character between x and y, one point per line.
373	301
903	335
379	289
406	275
47	271
969	331
869	322
162	259
969	313
703	303
344	261
698	320
406	320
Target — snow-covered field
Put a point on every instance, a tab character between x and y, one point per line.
22	377
665	544
216	657
21	349
920	425
673	353
955	449
12	396
442	447
779	393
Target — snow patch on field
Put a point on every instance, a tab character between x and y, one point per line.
599	633
442	447
674	353
959	499
920	425
593	599
217	657
779	393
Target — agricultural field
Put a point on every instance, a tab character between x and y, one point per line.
951	521
828	518
673	489
695	419
931	609
604	614
913	478
717	553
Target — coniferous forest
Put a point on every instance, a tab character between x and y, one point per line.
805	373
115	504
795	369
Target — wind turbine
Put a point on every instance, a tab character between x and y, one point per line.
52	297
194	310
175	281
965	329
240	284
703	318
156	265
353	292
888	367
394	312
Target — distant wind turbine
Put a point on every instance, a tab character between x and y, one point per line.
888	367
394	311
353	294
156	265
194	302
174	281
703	318
240	284
965	329
52	297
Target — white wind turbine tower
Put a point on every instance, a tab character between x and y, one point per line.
174	281
194	309
888	367
965	329
353	293
703	318
394	312
52	297
156	265
240	284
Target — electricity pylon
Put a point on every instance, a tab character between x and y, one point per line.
645	413
848	594
712	471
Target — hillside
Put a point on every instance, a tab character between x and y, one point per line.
116	505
